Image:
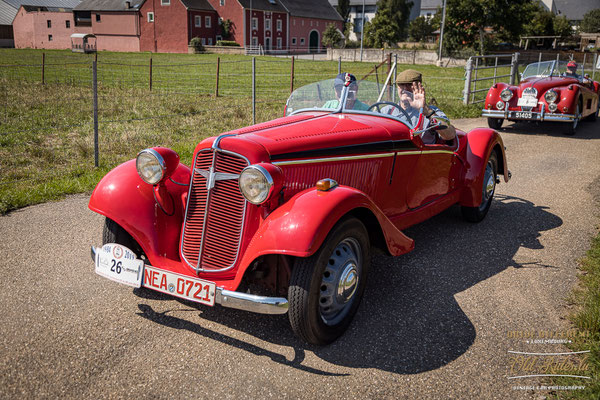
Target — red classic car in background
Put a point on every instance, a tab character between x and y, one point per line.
282	216
544	94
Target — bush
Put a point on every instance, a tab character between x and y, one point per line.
196	43
227	43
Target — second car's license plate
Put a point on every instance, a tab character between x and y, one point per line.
186	287
523	114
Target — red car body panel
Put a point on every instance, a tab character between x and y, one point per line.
380	167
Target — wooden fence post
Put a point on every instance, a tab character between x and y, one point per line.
43	68
150	74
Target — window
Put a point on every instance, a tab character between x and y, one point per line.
210	41
207	22
267	24
294	21
150	17
254	41
68	24
222	3
302	22
301	40
203	41
254	23
49	23
279	24
279	43
219	37
357	24
293	40
97	17
49	38
165	2
198	21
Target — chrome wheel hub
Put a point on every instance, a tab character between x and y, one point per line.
340	281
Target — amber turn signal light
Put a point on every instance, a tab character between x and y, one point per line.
326	184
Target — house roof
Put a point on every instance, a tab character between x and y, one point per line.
574	10
42	3
353	3
7	13
431	4
311	9
109	5
263	5
199	5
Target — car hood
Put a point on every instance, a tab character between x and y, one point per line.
310	131
544	84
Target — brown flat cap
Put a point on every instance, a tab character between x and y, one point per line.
409	76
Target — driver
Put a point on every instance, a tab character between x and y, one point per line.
572	70
412	99
351	101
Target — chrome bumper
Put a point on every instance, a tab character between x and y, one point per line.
535	116
244	301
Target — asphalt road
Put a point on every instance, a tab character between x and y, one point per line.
435	323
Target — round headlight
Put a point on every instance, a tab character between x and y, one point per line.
552	107
500	105
150	166
255	184
551	96
506	95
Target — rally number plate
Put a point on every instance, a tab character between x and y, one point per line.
193	289
524	114
117	262
527	102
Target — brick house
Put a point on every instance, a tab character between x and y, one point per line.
43	27
146	25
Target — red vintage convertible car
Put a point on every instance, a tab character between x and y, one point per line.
281	217
546	93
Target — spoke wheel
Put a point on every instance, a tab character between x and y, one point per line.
476	214
326	288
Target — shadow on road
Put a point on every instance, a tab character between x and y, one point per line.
586	130
409	321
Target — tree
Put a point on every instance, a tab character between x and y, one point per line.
226	26
420	29
389	25
591	22
331	36
562	27
343	8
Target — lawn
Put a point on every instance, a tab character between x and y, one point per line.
46	129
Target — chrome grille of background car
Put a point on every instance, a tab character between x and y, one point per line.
222	211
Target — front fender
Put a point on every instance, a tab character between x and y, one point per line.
480	144
299	227
129	201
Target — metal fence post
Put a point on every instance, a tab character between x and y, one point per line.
95	90
468	72
514	68
395	76
292	76
594	66
217	83
253	90
150	73
339	65
43	68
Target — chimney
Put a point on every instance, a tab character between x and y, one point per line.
128	5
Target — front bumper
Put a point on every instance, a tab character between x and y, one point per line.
535	116
242	301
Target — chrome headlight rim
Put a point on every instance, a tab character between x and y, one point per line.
552	107
270	183
500	105
161	163
506	94
551	96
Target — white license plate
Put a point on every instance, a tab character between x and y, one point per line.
523	114
186	287
527	102
120	264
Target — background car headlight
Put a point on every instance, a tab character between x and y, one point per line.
506	95
551	96
150	166
552	107
255	184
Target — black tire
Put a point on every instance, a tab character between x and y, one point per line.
594	116
495	123
572	129
477	214
114	233
319	310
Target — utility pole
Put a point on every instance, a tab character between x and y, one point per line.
442	33
362	30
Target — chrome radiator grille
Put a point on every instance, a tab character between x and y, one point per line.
214	216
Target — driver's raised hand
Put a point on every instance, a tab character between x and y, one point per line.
419	95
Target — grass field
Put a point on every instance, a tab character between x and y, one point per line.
46	130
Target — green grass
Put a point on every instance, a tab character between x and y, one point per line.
46	130
586	319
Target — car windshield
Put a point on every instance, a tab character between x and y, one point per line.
544	69
366	97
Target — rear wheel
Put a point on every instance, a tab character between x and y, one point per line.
495	123
325	289
476	214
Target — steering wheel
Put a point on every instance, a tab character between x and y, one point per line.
389	103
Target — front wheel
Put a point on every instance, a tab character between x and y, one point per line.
495	123
325	289
476	214
114	233
572	129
